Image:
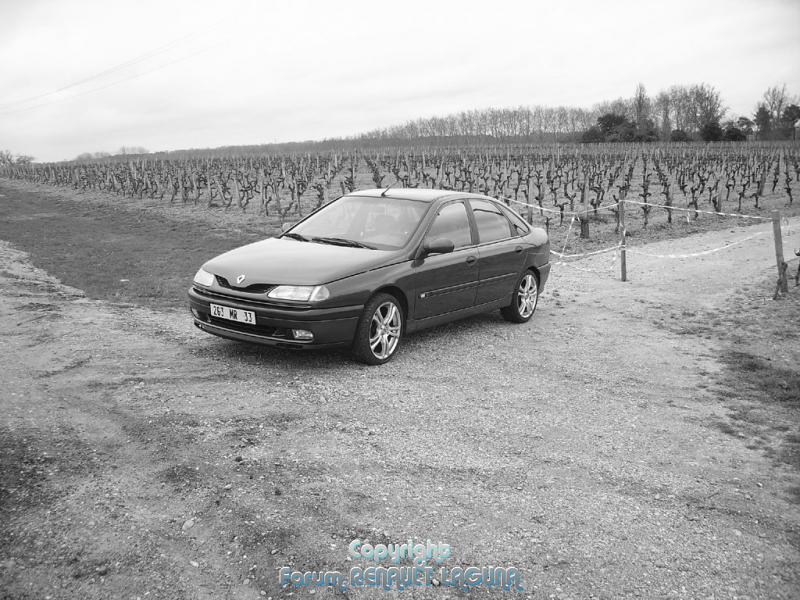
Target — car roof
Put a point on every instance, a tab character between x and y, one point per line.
419	194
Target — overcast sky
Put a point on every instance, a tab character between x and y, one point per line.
94	75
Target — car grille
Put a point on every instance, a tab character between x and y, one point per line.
267	302
256	288
261	330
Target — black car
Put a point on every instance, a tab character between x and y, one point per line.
372	266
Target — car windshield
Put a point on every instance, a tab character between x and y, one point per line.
360	221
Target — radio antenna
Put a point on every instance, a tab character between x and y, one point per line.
383	193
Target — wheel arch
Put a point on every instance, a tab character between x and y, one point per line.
536	272
397	293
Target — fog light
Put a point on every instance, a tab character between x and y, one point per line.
302	334
195	313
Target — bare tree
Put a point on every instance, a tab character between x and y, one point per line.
641	106
527	121
125	150
542	117
663	107
680	103
775	99
620	106
708	106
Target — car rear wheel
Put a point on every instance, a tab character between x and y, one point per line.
379	330
524	299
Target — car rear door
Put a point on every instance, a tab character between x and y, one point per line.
500	252
444	283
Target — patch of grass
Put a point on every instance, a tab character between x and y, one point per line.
121	254
29	465
179	474
726	427
763	398
760	380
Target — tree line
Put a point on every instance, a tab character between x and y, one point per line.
8	159
680	113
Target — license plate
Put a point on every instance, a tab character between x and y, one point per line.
233	314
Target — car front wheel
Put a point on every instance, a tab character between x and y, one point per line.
379	330
524	299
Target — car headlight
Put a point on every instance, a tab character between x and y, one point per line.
299	293
204	278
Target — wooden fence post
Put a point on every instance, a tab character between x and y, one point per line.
783	284
623	267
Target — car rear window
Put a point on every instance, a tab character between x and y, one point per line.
519	225
492	223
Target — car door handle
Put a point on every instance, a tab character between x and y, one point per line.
471	260
518	249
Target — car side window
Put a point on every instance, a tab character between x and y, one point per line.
519	226
492	223
452	223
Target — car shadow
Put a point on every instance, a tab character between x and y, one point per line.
464	333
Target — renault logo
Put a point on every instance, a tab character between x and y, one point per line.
240	278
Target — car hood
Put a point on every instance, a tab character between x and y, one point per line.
292	262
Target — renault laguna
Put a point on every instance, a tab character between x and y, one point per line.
372	266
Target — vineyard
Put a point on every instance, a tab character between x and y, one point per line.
574	191
144	457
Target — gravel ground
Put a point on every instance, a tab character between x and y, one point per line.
596	448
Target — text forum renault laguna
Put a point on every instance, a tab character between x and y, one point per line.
372	266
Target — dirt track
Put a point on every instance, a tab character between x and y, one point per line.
613	447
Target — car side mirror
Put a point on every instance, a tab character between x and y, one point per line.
437	246
287	226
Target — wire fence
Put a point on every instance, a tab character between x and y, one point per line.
782	226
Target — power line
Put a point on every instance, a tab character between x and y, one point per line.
101	74
103	87
16	106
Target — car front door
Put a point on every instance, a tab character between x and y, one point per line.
447	282
501	253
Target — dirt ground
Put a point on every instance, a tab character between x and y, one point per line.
635	439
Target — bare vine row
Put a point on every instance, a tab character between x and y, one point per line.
545	182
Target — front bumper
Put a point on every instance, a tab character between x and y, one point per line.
332	327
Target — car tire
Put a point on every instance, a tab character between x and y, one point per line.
523	300
379	331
